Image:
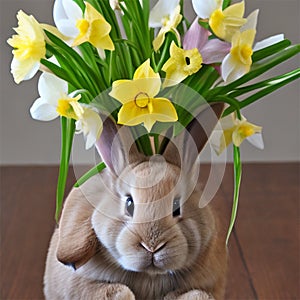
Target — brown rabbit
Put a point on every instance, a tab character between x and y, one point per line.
135	231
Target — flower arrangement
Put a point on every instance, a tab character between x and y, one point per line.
128	61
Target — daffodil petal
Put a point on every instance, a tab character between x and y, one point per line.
67	28
72	9
195	37
124	90
91	126
43	111
145	71
235	10
164	110
52	88
227	67
237	139
65	15
226	139
159	40
131	115
204	8
251	21
24	70
58	11
99	28
268	42
256	140
160	10
102	43
232	69
247	37
214	51
28	25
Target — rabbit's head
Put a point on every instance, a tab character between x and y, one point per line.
146	214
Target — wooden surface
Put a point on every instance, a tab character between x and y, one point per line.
264	247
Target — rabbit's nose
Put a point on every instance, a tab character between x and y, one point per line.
151	248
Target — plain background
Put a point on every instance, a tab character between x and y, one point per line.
27	141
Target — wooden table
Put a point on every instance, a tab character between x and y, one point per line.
264	247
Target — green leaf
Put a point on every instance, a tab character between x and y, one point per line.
270	50
76	64
95	170
237	183
270	86
58	71
226	3
67	134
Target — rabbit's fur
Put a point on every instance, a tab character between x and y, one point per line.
100	251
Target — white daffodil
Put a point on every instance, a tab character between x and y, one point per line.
224	23
166	16
54	100
239	60
232	130
90	124
89	26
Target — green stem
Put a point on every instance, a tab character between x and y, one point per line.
95	170
67	134
237	183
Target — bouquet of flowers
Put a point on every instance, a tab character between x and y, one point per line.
143	67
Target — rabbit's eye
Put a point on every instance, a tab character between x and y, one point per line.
176	207
129	206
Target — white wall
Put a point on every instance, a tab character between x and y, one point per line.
26	141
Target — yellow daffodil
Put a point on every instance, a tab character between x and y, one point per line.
29	47
166	16
90	27
181	64
224	23
138	99
236	131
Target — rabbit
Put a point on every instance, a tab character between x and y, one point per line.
135	230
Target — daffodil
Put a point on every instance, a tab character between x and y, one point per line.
224	23
139	104
166	16
238	62
29	47
54	100
90	124
236	131
211	50
88	27
181	64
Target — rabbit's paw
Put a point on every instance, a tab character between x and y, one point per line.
191	295
117	292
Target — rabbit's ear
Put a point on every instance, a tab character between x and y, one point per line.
184	148
117	146
77	240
